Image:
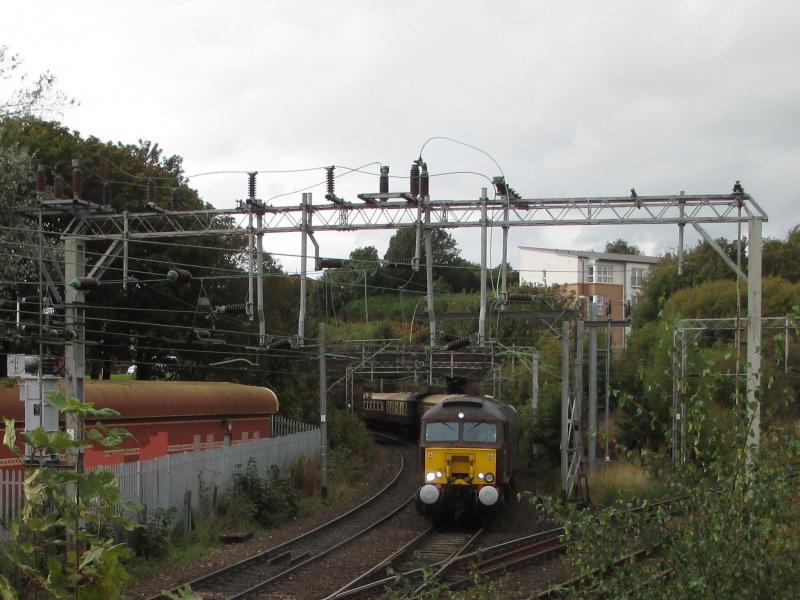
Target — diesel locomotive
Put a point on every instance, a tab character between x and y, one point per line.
467	456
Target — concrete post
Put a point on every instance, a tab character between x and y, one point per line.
74	350
592	441
564	403
754	332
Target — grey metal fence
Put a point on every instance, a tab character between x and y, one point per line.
185	480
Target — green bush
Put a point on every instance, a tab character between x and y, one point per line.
267	501
151	540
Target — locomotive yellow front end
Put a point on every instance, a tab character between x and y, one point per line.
466	457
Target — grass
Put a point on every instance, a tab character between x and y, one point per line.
122	377
622	481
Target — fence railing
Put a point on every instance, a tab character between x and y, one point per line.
187	479
286	426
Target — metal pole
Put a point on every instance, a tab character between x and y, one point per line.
366	306
482	314
503	268
301	320
754	333
535	381
262	326
684	357
675	404
564	402
608	388
592	399
577	408
323	411
786	347
251	242
429	272
681	227
125	231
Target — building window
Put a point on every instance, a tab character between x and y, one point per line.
637	277
590	274
634	301
245	435
604	274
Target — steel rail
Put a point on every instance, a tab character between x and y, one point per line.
262	584
272	552
352	588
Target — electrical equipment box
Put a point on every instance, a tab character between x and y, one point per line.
20	364
38	410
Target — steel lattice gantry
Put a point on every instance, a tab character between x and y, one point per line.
391	211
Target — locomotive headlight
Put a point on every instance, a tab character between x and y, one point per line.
480	475
489	477
430	476
438	473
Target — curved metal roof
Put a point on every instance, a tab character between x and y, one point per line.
148	399
473	408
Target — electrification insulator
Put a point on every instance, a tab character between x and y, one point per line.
458	343
423	181
58	187
49	365
106	193
77	179
331	263
251	185
232	309
520	298
383	186
330	183
174	199
283	344
151	191
84	283
41	179
414	187
199	334
179	275
738	188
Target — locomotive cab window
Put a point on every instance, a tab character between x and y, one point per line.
443	431
480	432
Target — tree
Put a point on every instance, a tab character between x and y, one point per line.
37	96
25	97
620	246
402	247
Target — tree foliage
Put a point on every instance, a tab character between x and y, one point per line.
620	246
730	529
64	544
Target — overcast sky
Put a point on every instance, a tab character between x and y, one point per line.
571	98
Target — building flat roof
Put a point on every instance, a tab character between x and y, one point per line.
634	258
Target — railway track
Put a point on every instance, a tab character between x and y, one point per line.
431	549
251	577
